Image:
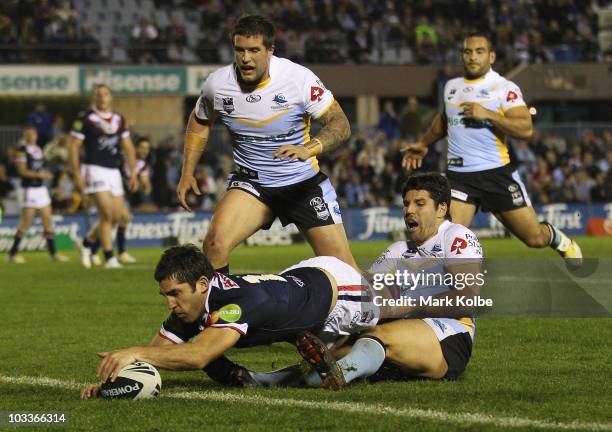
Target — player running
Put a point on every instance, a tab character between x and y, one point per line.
102	131
35	195
481	110
267	104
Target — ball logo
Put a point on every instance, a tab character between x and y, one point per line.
458	245
230	313
253	98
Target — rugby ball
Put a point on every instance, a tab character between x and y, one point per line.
135	381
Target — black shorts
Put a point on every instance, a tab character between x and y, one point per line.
495	190
307	204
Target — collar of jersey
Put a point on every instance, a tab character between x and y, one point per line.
258	86
441	228
479	79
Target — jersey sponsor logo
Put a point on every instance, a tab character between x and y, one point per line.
320	208
228	105
484	93
227	283
455	162
458	245
511	96
436	248
253	98
229	313
280	99
316	93
440	324
468	89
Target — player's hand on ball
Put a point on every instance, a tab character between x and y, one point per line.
90	391
185	183
413	157
292	152
475	111
112	362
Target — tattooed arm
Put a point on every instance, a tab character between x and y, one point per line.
336	130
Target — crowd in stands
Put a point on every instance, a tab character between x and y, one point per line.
313	31
366	172
44	31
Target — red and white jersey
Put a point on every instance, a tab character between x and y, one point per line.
475	145
276	113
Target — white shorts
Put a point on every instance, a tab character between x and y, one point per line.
354	311
35	197
100	179
445	327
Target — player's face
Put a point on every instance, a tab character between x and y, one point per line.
143	149
477	57
103	98
30	135
252	58
421	216
182	300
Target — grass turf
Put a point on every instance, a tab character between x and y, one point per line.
58	315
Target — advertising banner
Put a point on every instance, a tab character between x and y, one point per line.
135	80
38	80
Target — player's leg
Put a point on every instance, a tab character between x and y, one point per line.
237	216
25	222
106	214
46	216
124	220
462	213
330	240
412	345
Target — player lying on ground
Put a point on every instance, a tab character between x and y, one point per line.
218	311
430	345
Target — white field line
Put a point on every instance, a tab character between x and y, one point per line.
342	407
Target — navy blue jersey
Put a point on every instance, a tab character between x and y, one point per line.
32	155
101	135
263	308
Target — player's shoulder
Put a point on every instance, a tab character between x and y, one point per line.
454	230
453	83
396	250
219	76
290	70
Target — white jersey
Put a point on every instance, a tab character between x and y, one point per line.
276	113
451	243
475	145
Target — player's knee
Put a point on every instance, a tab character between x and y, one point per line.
215	244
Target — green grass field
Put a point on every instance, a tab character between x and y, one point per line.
525	373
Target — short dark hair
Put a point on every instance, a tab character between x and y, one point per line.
255	25
481	34
435	183
185	263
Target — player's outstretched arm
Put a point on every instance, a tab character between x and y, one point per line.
196	138
335	131
415	152
206	347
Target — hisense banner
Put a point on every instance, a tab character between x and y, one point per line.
36	80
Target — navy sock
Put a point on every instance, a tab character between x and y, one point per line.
51	244
95	247
108	255
15	246
120	240
87	243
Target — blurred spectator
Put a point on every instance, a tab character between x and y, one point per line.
583	186
42	121
143	37
388	121
410	120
